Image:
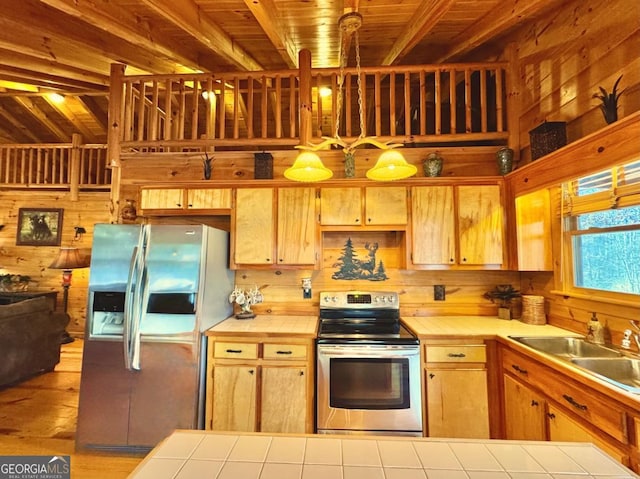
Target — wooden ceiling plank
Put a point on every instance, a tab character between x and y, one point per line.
42	117
65	110
99	115
264	12
420	25
188	16
504	17
19	126
111	18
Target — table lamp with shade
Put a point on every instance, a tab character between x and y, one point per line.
67	260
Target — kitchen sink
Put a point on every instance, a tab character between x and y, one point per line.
568	347
623	372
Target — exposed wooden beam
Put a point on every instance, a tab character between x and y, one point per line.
504	17
68	40
419	26
188	16
19	127
36	66
47	80
265	13
112	18
42	117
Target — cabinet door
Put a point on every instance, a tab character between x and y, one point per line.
386	205
565	429
254	232
457	403
340	206
209	198
296	226
533	225
524	412
161	199
284	399
234	398
480	225
432	216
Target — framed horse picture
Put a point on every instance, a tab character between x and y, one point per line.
39	226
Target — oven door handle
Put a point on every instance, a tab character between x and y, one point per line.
341	351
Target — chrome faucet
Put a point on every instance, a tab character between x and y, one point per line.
628	334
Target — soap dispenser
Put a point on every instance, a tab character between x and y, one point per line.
596	330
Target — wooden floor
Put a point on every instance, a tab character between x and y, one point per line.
38	417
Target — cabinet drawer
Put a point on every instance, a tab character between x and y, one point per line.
285	351
236	350
456	354
572	396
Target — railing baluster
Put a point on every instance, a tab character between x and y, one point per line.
250	107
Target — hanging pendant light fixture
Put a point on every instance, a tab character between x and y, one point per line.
391	164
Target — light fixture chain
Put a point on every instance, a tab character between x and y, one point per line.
360	105
343	61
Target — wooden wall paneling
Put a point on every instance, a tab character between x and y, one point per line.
565	56
34	261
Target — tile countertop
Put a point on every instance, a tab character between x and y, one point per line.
223	455
277	325
480	327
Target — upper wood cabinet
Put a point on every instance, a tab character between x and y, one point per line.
457	225
275	228
209	198
370	206
185	201
162	198
297	233
533	227
254	226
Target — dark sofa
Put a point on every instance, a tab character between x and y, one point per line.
30	335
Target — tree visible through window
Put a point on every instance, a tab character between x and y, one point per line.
602	223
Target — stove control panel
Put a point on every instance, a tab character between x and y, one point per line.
359	299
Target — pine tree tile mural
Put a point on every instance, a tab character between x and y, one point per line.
350	267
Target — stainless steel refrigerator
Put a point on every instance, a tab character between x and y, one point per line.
153	290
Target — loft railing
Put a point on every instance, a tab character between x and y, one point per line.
56	165
408	104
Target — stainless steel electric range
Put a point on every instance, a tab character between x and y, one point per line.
368	371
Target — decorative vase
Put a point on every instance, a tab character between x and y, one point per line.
349	165
504	159
433	165
129	210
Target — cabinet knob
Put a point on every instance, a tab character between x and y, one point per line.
357	220
301	373
534	402
251	371
431	375
550	415
179	205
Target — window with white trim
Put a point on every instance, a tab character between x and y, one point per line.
601	239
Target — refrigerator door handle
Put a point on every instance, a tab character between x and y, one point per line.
128	310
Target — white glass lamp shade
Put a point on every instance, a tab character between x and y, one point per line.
308	167
390	166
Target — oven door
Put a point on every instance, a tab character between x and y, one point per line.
369	389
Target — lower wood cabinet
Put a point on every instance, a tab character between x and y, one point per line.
542	403
265	385
457	403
